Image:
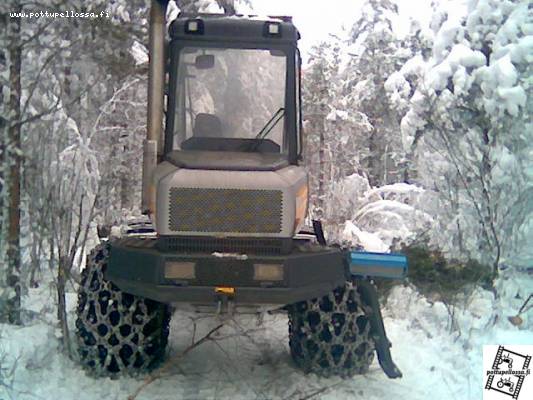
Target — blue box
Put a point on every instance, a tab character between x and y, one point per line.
379	265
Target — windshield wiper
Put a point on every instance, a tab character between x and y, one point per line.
263	133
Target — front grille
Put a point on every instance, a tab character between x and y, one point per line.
200	244
225	210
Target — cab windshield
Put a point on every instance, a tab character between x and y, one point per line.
230	99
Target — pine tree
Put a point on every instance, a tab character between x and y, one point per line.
470	123
318	95
376	54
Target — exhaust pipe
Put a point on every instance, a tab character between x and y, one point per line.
156	80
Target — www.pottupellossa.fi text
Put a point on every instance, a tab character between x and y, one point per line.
62	14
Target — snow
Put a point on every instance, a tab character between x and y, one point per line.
411	123
415	65
250	361
499	79
383	205
513	98
376	218
459	58
438	76
461	81
337	114
139	53
235	256
445	38
369	241
463	55
521	52
398	88
400	187
504	161
504	72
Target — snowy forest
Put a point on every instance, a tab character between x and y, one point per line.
419	143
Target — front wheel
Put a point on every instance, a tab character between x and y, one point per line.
331	335
117	332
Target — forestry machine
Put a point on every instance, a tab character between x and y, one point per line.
227	197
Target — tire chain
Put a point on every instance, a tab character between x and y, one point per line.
117	332
331	335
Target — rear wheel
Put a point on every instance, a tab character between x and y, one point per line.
117	332
331	335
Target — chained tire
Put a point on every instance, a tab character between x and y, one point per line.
331	335
117	333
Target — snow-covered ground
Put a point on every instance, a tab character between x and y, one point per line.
250	361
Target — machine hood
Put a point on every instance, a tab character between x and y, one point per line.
227	160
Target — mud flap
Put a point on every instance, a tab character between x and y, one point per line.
369	296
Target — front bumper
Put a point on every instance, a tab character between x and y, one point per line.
136	266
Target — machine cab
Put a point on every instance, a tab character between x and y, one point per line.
234	93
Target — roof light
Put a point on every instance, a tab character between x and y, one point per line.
192	26
195	26
272	29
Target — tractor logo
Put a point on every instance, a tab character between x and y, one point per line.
505	359
507	375
506	383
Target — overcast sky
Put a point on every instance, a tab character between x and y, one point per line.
315	19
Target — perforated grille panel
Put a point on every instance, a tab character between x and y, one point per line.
225	210
206	244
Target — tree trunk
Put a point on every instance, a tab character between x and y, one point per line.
62	304
373	160
11	311
126	186
321	168
125	192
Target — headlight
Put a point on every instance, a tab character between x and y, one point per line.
268	272
179	270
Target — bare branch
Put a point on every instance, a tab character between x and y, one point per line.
156	375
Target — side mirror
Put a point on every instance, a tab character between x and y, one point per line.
204	61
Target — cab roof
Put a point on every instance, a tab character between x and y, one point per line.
237	28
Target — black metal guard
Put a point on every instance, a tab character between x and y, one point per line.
370	297
319	232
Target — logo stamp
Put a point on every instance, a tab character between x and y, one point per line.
507	372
